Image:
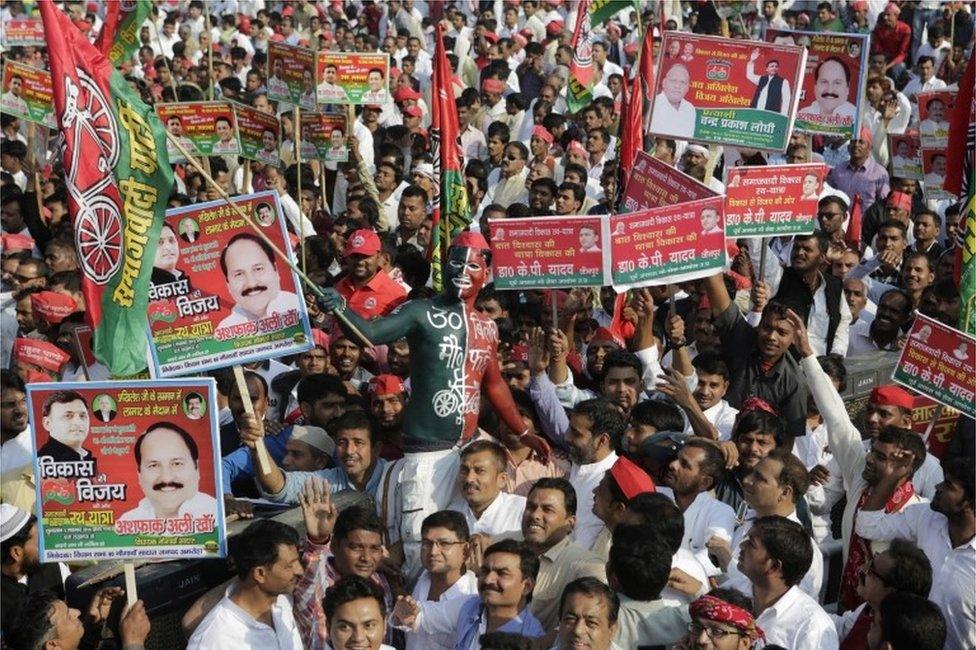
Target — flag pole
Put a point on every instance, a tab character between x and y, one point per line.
297	142
247	219
209	28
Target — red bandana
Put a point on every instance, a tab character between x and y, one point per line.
716	609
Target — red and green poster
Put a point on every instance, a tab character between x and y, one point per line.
906	155
934	113
832	86
352	78
726	91
324	137
209	128
549	252
127	470
291	75
668	244
27	94
581	69
259	133
653	184
29	31
118	178
935	163
940	362
944	429
119	36
220	295
772	200
452	212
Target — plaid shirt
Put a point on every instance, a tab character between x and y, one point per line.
320	574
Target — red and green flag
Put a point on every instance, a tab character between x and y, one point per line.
966	275
119	36
581	70
633	108
602	10
452	212
118	178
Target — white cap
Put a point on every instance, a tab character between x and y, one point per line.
697	148
425	169
314	436
12	519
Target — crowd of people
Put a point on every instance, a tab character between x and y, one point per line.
676	471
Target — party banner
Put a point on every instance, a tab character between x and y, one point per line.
736	92
548	252
906	155
259	133
219	294
653	184
934	162
23	32
772	200
291	76
945	426
832	88
937	361
352	78
933	117
324	137
669	244
127	469
27	93
208	127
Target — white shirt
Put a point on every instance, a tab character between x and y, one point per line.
673	122
784	106
284	302
687	562
473	144
461	590
228	627
953	569
722	416
16	452
916	85
584	478
704	518
198	505
797	622
503	515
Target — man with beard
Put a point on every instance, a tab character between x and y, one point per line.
945	530
891	316
21	570
387	399
453	350
367	289
15	434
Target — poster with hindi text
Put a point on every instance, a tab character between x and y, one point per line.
940	362
712	89
653	183
352	77
219	294
772	200
324	137
906	155
127	469
260	134
669	244
945	426
202	128
832	87
934	110
23	32
27	94
291	75
549	252
934	164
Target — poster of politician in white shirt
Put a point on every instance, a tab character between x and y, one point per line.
152	494
832	87
726	91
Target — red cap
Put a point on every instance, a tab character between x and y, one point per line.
492	85
373	107
865	134
892	395
631	479
468	239
51	306
15	242
386	385
900	200
859	5
539	131
405	93
892	8
575	146
491	37
603	335
40	353
520	353
363	242
413	111
630	48
243	24
320	338
555	27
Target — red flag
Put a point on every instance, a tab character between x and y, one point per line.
106	36
632	122
853	236
619	327
962	134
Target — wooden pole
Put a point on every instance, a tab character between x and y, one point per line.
931	425
762	258
281	255
131	593
264	461
555	309
209	28
80	351
297	141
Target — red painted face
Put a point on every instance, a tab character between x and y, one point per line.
465	273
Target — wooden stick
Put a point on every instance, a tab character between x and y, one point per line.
131	593
297	141
281	255
931	425
555	309
209	28
264	461
35	165
762	258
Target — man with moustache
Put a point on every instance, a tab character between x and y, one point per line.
831	90
250	270
368	290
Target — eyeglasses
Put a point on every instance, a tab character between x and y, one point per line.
512	158
713	633
869	569
430	544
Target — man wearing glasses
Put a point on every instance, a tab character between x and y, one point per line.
722	620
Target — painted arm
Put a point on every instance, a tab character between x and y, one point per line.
387	329
500	397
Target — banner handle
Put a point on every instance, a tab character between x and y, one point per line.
131	595
931	425
247	219
264	461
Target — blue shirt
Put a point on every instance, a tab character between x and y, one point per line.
337	478
237	464
469	624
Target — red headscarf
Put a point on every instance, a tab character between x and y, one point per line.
716	609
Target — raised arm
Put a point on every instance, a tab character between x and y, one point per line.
500	397
398	324
718	295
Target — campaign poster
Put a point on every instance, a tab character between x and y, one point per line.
945	426
28	31
352	78
934	162
934	109
324	137
653	184
772	200
219	295
549	252
832	88
127	469
906	155
291	77
27	93
209	128
938	361
260	134
669	244
712	89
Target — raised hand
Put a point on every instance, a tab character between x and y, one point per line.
673	384
405	611
330	300
721	549
819	475
251	429
538	445
318	510
102	602
538	351
760	295
801	338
